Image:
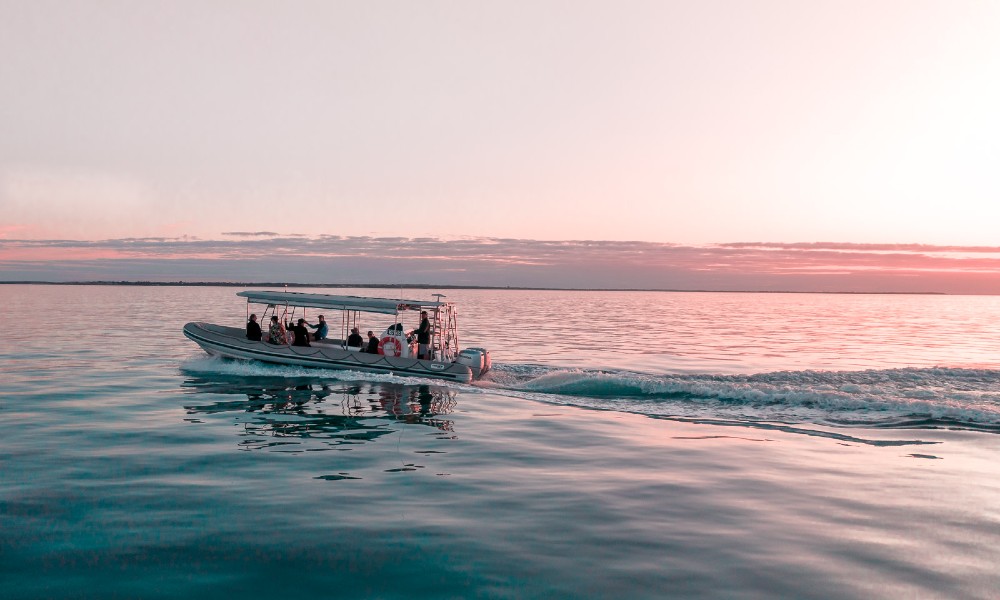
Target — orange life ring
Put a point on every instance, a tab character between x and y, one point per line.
390	346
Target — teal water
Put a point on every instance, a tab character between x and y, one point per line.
627	445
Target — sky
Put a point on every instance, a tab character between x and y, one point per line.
725	144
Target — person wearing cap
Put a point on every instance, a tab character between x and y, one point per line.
355	340
423	334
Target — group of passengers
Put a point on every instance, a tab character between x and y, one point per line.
277	334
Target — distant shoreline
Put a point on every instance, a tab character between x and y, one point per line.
425	286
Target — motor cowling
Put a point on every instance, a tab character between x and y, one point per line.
477	359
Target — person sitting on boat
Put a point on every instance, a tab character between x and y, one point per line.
372	343
276	332
301	333
321	329
355	340
253	329
423	334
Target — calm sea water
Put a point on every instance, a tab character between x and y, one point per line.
637	445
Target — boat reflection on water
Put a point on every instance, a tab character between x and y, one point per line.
300	414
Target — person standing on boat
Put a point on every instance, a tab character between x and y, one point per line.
253	329
321	329
276	332
301	333
423	337
372	343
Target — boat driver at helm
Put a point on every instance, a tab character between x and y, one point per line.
423	334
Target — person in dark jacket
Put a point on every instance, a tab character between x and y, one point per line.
423	337
253	329
372	343
301	333
355	340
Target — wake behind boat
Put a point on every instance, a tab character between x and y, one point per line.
396	353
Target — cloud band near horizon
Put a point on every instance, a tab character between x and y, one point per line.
294	258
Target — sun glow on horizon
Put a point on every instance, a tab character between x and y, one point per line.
519	262
655	122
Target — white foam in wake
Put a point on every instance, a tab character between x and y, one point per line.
963	395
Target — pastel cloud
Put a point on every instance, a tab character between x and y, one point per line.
294	258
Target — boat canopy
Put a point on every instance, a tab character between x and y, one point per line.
386	306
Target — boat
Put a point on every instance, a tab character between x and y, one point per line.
397	352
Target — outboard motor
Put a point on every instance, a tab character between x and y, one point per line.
477	359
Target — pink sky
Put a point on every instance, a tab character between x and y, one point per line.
815	267
674	124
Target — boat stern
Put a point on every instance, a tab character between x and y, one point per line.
477	359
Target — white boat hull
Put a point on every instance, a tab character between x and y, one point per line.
231	342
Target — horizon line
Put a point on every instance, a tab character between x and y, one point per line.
181	283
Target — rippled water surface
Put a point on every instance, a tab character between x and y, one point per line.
640	445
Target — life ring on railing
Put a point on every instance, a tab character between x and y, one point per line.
390	346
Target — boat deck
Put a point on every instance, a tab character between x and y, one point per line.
232	342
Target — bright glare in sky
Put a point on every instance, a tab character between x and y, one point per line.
674	122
